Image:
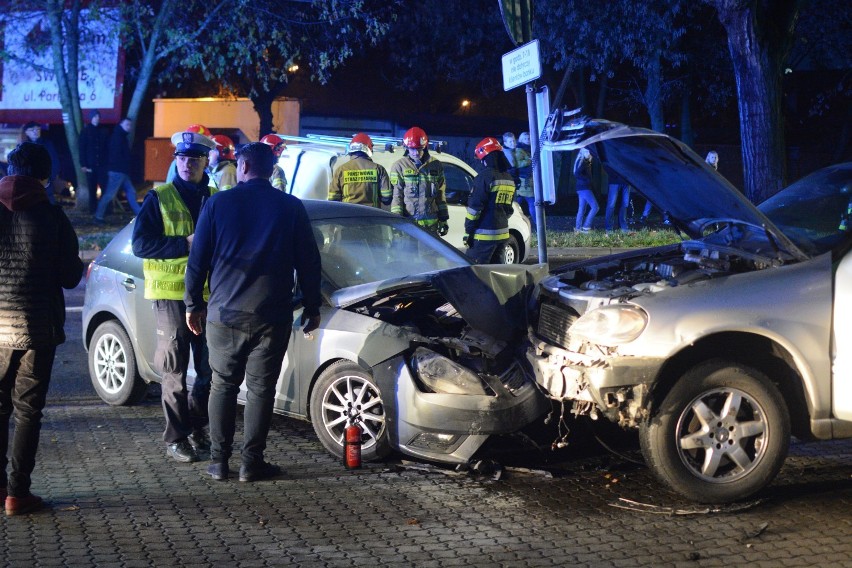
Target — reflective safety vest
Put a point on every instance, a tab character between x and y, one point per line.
164	276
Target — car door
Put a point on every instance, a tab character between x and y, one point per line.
842	339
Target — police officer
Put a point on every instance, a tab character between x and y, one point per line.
418	186
360	180
162	236
489	206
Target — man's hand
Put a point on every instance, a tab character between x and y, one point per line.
309	323
468	240
189	240
195	321
87	170
443	228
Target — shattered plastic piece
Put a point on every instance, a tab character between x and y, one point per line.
755	533
527	471
622	503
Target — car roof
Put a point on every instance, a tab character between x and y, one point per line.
321	209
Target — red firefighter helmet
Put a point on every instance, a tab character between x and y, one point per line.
415	137
486	146
198	129
275	142
361	143
225	146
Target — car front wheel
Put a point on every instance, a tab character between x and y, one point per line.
112	366
720	435
346	393
508	252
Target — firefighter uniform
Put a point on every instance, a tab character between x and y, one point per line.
360	180
223	175
489	207
419	192
278	179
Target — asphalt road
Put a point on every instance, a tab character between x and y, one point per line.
116	500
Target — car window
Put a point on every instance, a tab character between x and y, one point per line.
459	184
356	251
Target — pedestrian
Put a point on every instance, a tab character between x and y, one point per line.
278	179
587	201
618	197
118	168
93	150
39	256
249	242
489	206
418	186
222	169
171	174
163	235
521	163
360	180
32	132
712	159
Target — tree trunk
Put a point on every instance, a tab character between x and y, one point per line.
602	93
653	94
687	134
262	103
759	38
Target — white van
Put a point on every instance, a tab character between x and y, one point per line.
309	163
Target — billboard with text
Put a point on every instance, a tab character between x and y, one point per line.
28	86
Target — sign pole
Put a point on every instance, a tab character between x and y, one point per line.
541	235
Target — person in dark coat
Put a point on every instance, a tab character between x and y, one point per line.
39	256
93	157
118	166
251	241
31	132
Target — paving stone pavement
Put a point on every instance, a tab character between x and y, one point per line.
116	500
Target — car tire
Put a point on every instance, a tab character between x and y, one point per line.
707	453
508	252
112	366
346	390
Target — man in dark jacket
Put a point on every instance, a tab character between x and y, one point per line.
248	242
118	166
39	256
93	157
163	235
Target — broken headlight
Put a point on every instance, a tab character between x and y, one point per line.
611	325
443	375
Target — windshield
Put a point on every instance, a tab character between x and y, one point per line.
814	212
370	249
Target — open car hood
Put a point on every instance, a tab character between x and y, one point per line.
668	173
491	298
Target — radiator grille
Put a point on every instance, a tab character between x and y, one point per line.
553	323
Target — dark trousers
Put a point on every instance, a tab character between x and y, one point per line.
254	354
483	251
24	379
96	177
185	411
617	198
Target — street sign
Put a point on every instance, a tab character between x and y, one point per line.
517	17
521	66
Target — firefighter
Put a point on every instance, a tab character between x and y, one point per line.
489	206
278	178
222	169
360	180
418	186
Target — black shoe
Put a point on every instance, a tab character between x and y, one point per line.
260	471
199	440
218	471
182	451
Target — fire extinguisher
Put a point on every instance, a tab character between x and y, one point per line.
352	446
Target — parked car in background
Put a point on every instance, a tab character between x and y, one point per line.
416	345
718	348
310	162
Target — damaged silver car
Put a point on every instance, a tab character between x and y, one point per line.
719	348
417	346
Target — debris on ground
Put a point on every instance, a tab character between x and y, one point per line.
622	503
755	533
528	471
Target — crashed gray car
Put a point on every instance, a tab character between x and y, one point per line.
719	348
417	346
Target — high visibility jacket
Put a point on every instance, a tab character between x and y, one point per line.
164	276
224	175
522	163
419	192
278	179
360	180
490	206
